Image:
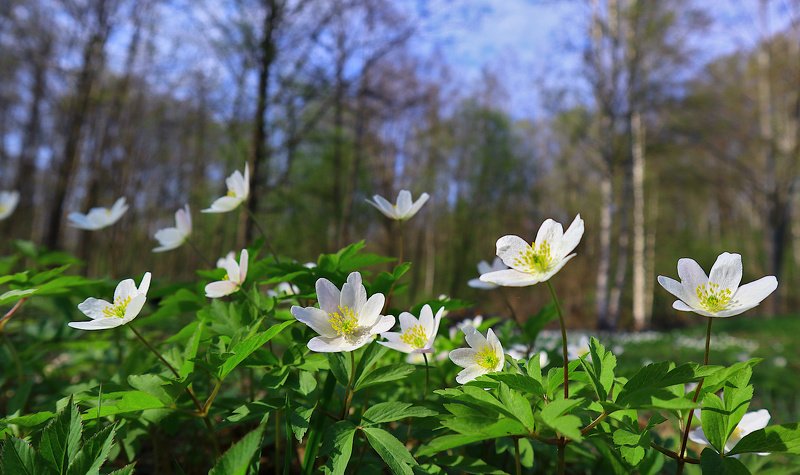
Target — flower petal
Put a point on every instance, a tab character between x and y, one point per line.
572	237
397	345
510	249
354	295
474	338
99	324
404	203
371	311
423	198
220	288
727	271
383	325
223	205
756	291
315	318
692	276
243	262
682	306
673	286
426	319
144	285
468	374
126	288
328	295
753	421
551	232
479	284
407	321
698	436
463	357
327	345
134	307
511	278
93	308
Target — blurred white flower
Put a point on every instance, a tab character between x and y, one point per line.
238	191
403	209
484	268
467	322
346	320
173	238
485	355
719	294
8	203
417	358
520	352
284	288
575	351
751	422
99	218
236	274
128	302
531	264
780	361
416	335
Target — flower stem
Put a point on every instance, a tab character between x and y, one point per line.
200	254
263	234
563	338
348	397
427	375
688	427
516	456
562	463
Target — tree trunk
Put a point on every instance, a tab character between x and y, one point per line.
623	239
639	268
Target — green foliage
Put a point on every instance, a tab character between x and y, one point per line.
240	459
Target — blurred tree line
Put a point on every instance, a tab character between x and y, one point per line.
665	155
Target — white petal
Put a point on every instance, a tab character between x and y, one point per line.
134	307
404	203
231	268
93	308
673	286
474	338
572	237
243	263
511	278
223	205
99	324
479	284
426	319
220	288
327	345
732	312
468	374
756	291
79	221
315	318
727	271
463	357
510	249
484	267
354	295
371	311
423	198
753	421
681	305
397	345
692	276
551	232
698	436
328	295
385	324
126	288
407	321
554	269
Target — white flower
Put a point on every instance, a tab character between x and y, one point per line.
128	302
467	322
520	352
531	264
236	273
416	336
403	210
484	268
172	238
238	191
719	294
417	358
99	218
485	355
575	352
8	203
751	422
284	288
222	260
345	320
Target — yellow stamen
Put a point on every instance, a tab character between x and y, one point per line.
117	310
415	336
226	277
535	259
487	358
231	193
712	298
344	321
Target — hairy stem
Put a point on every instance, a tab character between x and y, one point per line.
681	458
348	397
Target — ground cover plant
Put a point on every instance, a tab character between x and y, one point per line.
265	364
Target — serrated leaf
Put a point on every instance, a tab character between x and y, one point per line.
190	353
649	387
246	347
61	439
712	462
519	382
122	402
237	459
391	450
298	419
778	438
126	470
518	405
393	411
554	417
338	444
18	457
93	453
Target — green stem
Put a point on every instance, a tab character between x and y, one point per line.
563	338
516	456
263	234
562	463
277	442
348	397
427	375
681	458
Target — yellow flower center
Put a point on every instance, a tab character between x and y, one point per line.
712	298
536	258
415	336
344	321
231	194
226	277
736	435
3	208
117	310
487	358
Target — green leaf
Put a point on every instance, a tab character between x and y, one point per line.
340	367
600	369
649	387
246	347
151	384
383	374
18	457
518	405
393	411
520	382
554	417
126	470
190	353
238	459
61	439
450	441
298	419
122	402
391	450
13	295
31	420
712	462
93	453
339	446
782	438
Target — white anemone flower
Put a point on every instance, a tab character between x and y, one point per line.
751	422
416	335
484	268
99	218
8	203
485	355
537	262
719	294
579	350
520	352
417	358
238	191
235	275
405	207
467	322
345	320
128	302
283	289
173	238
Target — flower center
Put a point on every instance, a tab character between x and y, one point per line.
736	435
117	310
712	298
486	358
344	321
536	258
226	277
415	336
231	194
3	208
